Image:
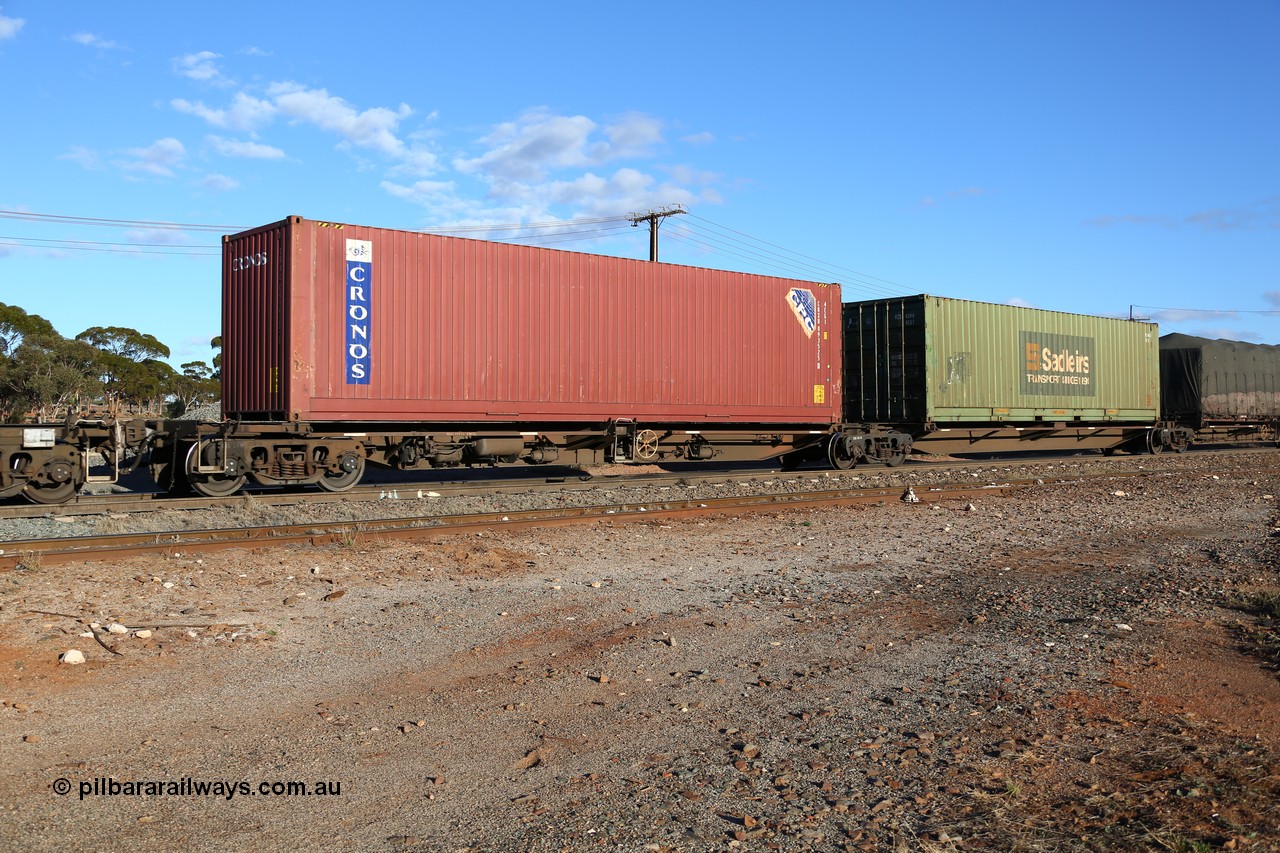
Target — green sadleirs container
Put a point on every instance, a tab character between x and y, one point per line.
922	360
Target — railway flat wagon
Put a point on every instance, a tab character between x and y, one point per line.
963	376
343	343
1222	389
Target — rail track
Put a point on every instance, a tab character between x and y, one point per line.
115	546
565	480
49	551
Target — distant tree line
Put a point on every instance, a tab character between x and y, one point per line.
44	376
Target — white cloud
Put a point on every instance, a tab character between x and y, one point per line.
627	189
539	142
1264	213
246	112
1019	302
421	192
201	67
704	138
633	135
954	195
545	167
219	183
160	158
251	150
92	40
690	175
9	27
525	149
373	128
86	158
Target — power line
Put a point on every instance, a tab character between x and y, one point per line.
25	240
1210	310
115	223
712	237
898	288
121	248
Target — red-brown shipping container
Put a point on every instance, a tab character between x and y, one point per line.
328	322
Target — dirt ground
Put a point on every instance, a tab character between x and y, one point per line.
1053	669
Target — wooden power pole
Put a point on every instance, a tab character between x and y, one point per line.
654	217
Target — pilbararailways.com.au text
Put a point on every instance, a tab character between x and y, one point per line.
187	787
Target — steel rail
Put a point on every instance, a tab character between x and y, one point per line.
44	552
121	502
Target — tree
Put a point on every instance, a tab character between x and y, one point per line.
128	343
49	375
196	384
131	370
16	325
216	343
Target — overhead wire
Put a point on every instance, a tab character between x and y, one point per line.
1210	310
696	231
115	223
868	282
86	245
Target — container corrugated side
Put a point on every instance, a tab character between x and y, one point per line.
1205	380
927	359
456	330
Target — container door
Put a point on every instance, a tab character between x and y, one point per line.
885	361
254	332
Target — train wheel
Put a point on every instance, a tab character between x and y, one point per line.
838	453
896	459
1180	443
59	487
352	469
51	493
1154	444
210	485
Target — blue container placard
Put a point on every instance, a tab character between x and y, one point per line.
358	319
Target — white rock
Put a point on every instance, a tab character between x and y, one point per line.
167	584
88	635
1123	627
1120	494
72	657
117	628
143	634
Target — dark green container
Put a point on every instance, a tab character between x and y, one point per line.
931	361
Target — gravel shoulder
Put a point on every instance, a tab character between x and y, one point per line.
1053	669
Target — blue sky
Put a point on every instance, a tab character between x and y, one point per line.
1082	156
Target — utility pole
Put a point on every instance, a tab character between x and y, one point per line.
654	217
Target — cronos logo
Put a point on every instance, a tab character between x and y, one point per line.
1057	365
358	319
